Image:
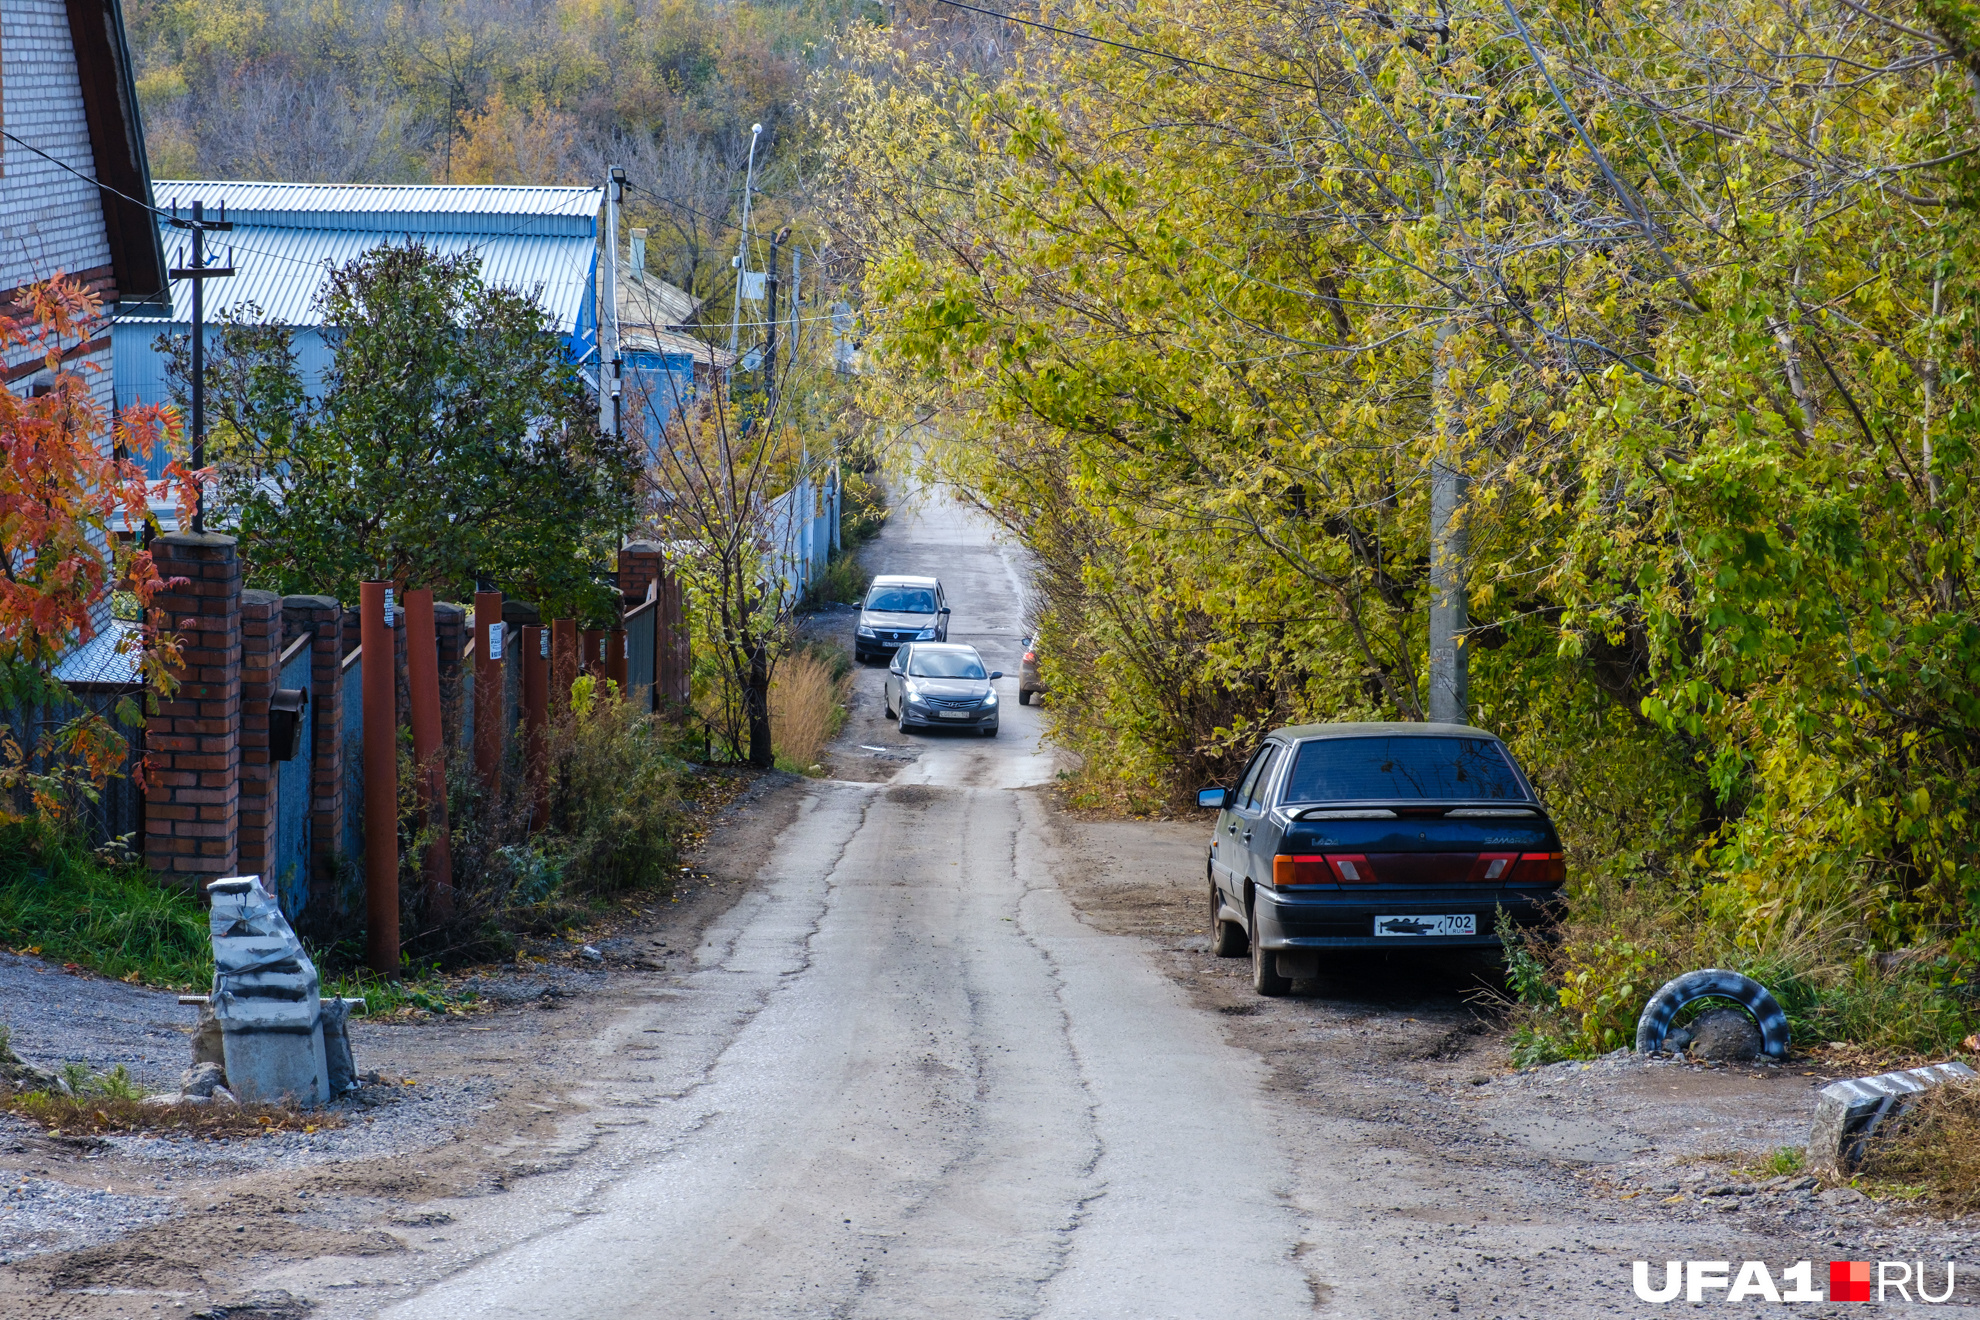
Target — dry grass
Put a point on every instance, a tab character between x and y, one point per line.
807	706
1935	1145
98	1116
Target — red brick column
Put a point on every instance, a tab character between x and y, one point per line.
640	564
261	653
192	798
322	616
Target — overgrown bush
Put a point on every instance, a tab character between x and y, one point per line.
1934	1143
1580	994
807	705
61	901
614	793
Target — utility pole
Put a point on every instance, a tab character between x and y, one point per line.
742	240
609	389
1450	552
199	273
770	325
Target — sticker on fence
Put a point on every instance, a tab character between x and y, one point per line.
495	641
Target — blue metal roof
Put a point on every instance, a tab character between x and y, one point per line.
392	208
282	269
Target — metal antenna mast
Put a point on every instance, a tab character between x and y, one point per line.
742	241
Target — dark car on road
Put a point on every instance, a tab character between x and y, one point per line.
941	685
1375	836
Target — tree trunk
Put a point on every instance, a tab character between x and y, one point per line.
761	754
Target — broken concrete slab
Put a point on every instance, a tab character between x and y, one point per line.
266	997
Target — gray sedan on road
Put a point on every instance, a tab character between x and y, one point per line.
941	685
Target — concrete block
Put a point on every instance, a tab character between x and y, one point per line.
1850	1112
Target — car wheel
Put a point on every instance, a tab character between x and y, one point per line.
1226	937
990	732
1024	696
904	723
1265	978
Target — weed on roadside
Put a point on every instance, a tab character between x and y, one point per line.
1933	1147
808	705
63	902
100	1115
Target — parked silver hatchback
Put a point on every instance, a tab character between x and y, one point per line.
899	609
941	685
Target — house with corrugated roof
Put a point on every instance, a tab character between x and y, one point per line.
666	366
287	237
75	193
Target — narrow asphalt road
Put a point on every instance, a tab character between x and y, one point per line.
904	1080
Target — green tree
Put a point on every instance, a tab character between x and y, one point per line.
448	441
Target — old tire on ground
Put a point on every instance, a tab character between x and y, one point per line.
1226	937
1265	978
1713	983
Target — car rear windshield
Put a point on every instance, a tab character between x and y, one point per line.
901	600
944	664
1378	769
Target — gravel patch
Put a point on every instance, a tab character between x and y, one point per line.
39	1214
56	1017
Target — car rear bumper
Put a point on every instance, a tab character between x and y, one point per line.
1341	920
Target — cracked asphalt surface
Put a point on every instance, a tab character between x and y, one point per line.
903	1078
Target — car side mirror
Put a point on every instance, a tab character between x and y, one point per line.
1024	641
944	610
996	673
1214	798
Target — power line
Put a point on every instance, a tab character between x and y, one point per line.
1122	45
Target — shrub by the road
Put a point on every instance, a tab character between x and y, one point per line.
807	705
1934	1144
61	901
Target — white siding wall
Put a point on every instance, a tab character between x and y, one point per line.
49	219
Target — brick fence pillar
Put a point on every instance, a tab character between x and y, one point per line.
261	654
640	564
323	617
192	802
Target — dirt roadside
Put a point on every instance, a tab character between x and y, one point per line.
1403	1071
467	1105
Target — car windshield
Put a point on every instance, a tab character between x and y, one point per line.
1372	769
901	600
944	664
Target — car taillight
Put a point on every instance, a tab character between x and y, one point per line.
1352	869
1492	867
1291	870
1031	657
1541	869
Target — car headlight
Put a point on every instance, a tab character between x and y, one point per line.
865	631
914	698
925	635
990	699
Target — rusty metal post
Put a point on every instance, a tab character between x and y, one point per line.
615	658
563	662
429	752
488	689
381	781
591	652
536	718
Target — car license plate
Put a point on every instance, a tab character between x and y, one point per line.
953	714
1460	923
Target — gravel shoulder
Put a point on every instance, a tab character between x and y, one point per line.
466	1105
